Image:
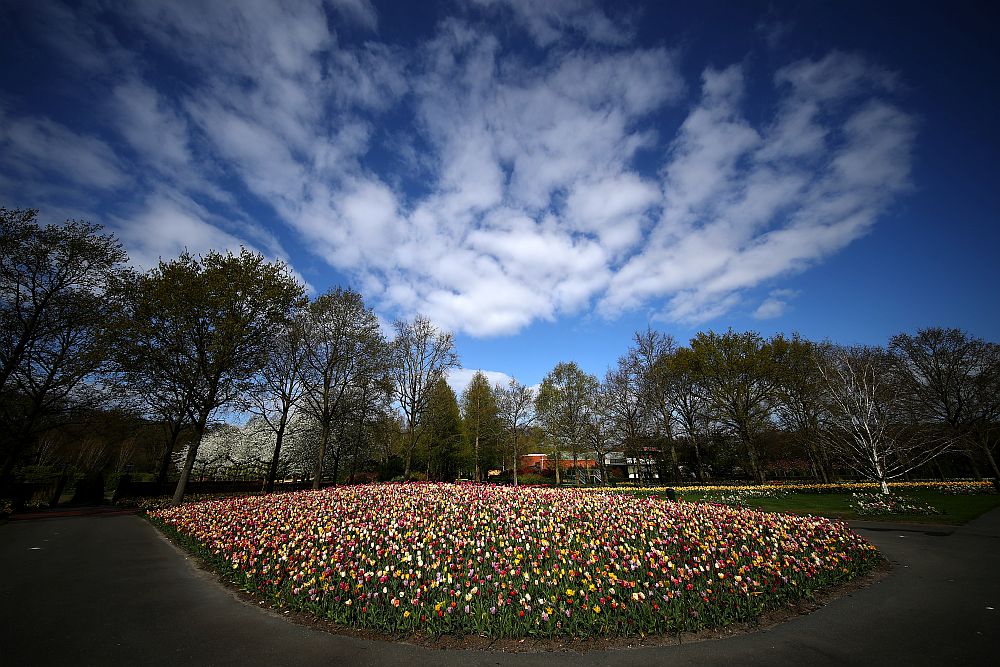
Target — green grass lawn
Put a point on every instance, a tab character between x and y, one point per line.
956	509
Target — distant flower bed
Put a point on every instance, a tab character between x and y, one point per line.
162	502
515	562
971	488
880	504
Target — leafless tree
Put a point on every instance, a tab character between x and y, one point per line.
422	354
864	427
515	406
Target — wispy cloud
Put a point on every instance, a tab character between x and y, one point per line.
460	179
775	304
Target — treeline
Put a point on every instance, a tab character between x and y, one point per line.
331	398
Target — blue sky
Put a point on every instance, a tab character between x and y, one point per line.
541	178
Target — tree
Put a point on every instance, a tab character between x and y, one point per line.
650	350
625	408
515	404
680	375
205	324
564	401
738	377
800	400
864	405
346	350
443	434
951	378
52	281
276	391
480	421
421	356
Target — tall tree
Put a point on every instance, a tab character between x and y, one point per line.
564	401
277	389
649	351
345	351
516	409
944	373
422	355
625	407
206	324
480	421
865	406
52	309
800	404
681	378
446	454
738	376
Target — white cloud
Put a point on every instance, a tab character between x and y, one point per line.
459	378
775	304
465	180
40	148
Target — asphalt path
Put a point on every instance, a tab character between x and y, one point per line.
108	589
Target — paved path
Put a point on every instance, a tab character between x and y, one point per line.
107	589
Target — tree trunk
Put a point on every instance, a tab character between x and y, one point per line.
318	469
479	472
173	433
993	464
411	444
199	431
272	471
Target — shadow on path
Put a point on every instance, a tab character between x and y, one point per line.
104	589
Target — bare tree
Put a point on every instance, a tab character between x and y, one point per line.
422	355
515	404
648	354
864	426
278	388
625	407
952	378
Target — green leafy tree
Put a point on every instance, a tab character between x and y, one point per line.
563	405
737	375
800	404
481	422
205	325
447	454
52	311
679	374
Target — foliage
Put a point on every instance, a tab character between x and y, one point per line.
515	562
481	424
52	311
564	404
204	325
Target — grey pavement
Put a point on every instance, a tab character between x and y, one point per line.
108	589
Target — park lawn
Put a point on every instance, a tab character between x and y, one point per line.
956	509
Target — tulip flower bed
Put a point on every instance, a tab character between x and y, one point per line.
432	559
